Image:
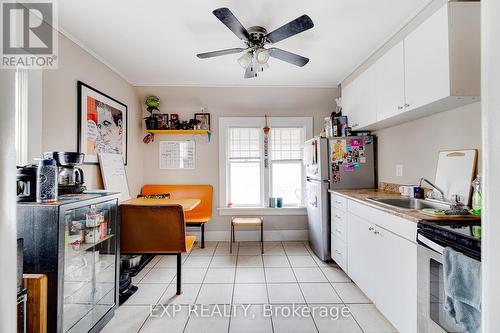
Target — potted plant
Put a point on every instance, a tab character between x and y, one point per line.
152	103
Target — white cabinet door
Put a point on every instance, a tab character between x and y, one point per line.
359	100
361	255
390	83
396	296
427	65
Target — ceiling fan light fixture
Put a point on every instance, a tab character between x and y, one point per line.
262	55
245	59
263	66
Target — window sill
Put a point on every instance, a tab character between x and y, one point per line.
264	211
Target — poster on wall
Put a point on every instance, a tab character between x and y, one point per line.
102	124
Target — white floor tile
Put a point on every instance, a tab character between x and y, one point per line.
279	275
276	261
168	262
285	293
335	274
188	296
207	251
223	250
220	275
251	321
249	261
153	262
335	322
293	243
370	319
215	294
296	250
250	275
293	324
319	293
223	262
215	324
127	319
250	294
136	279
302	261
249	250
250	243
350	293
192	275
309	274
197	262
173	321
159	275
274	250
147	294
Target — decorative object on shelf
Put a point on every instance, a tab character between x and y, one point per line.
163	123
102	124
46	180
204	119
154	120
174	121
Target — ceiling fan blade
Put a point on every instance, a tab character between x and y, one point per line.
289	57
292	28
220	52
230	21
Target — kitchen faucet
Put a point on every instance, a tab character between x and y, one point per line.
434	186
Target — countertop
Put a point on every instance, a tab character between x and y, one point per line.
361	195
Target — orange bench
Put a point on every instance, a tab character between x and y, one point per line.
201	214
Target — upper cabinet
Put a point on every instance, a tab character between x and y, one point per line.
436	67
390	83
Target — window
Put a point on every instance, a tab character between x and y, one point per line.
249	175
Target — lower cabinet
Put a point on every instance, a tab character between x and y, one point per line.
384	265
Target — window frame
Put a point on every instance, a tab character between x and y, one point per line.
266	181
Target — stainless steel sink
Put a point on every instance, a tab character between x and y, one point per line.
410	203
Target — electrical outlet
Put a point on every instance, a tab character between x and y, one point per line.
399	170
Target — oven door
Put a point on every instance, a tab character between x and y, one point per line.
432	317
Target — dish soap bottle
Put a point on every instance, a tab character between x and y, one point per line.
477	200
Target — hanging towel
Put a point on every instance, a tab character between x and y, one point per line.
462	289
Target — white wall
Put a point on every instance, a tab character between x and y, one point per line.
237	102
60	108
416	144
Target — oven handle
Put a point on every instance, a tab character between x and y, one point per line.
430	244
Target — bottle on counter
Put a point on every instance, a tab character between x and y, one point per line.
477	199
46	180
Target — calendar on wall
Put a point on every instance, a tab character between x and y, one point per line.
177	154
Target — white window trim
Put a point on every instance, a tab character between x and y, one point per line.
224	124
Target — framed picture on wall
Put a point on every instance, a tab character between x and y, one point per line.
102	124
204	119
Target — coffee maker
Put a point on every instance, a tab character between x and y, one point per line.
70	180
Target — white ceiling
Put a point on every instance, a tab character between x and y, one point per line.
154	42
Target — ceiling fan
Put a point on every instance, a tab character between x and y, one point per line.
256	38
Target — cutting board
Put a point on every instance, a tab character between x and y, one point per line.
455	172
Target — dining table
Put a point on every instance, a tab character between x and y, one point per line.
187	204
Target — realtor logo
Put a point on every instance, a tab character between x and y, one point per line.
29	35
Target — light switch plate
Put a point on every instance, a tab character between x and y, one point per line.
399	170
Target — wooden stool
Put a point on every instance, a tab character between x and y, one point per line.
247	221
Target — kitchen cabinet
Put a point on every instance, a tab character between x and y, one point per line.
75	243
338	229
359	100
435	67
382	260
390	82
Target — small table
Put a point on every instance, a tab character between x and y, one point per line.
187	204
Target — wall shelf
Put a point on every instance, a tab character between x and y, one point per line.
177	132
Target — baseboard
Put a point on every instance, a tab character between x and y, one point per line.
254	235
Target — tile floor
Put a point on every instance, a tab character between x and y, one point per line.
247	292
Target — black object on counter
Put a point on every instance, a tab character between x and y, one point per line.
26	183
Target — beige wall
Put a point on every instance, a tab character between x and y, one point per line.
227	102
60	108
416	144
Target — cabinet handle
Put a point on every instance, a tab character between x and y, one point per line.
407	105
338	231
338	217
338	202
338	252
376	232
371	228
400	107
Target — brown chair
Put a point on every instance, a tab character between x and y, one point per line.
155	230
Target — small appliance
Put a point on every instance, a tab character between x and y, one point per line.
71	177
26	183
432	238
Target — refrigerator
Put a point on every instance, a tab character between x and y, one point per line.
334	163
